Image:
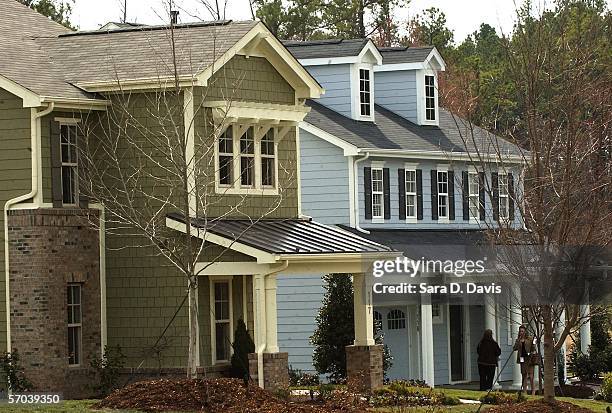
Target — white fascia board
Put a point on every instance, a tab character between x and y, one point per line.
434	54
349	150
400	66
324	61
371	48
30	99
261	256
441	155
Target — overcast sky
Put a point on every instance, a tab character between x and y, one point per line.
464	16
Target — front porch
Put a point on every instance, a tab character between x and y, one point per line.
246	287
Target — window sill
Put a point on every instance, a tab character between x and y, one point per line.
411	220
246	191
378	220
443	220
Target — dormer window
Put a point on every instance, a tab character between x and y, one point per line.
365	97
430	98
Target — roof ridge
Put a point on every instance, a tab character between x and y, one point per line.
146	28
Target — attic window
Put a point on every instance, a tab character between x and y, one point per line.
430	98
364	92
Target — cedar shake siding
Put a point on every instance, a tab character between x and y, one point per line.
15	174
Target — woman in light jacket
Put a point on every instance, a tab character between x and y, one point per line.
526	353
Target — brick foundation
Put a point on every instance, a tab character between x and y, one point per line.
364	366
49	248
276	370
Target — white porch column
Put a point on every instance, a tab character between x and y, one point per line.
271	315
490	315
259	302
516	319
427	340
585	329
363	312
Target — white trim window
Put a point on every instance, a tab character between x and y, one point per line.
70	165
442	194
365	92
268	159
222	323
504	208
396	320
430	98
226	157
378	205
474	194
247	158
75	324
411	193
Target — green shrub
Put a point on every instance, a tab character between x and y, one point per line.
13	372
325	391
297	378
106	370
283	393
500	397
606	387
242	345
401	394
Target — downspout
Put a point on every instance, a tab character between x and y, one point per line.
35	143
262	342
356	192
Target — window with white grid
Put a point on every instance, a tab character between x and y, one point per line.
411	194
442	194
377	193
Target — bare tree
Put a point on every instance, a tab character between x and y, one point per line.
564	194
151	154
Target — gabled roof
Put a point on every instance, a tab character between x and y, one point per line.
393	133
44	59
405	54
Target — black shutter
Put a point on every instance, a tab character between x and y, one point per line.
495	190
434	194
511	197
419	183
386	193
401	184
367	191
466	195
481	193
451	195
56	165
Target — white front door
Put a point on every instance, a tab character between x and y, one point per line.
395	327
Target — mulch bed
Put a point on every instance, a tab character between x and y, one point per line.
538	406
215	396
575	391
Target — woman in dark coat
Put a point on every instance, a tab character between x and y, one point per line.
488	353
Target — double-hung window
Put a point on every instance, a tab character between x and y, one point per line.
411	194
74	324
268	159
442	194
503	196
430	97
70	166
222	319
377	193
226	157
474	194
247	158
365	88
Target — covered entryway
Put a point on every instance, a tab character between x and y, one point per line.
290	247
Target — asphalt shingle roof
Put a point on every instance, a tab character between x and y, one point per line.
325	48
52	61
391	131
393	55
288	236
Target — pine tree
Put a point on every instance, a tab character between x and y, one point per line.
242	345
335	327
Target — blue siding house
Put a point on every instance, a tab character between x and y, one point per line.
381	158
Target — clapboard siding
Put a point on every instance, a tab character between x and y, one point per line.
336	80
324	180
396	91
427	223
298	299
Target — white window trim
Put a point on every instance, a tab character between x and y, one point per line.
236	188
355	89
380	168
500	197
213	322
77	325
420	95
474	219
69	123
445	218
413	218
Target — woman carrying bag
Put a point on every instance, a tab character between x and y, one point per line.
527	357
